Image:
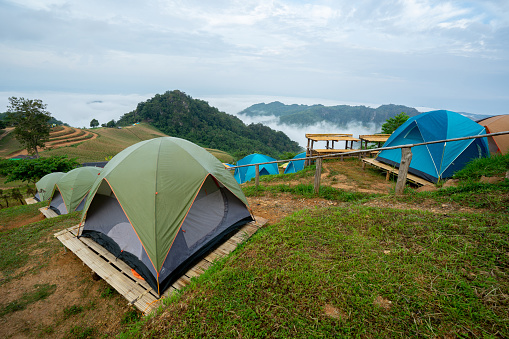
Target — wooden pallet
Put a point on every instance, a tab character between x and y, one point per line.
48	212
389	169
119	275
31	201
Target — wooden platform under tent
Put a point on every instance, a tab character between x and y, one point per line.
30	201
393	170
120	276
48	212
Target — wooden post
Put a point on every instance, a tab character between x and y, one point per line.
318	174
406	158
308	153
257	177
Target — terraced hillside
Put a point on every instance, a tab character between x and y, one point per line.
60	136
90	145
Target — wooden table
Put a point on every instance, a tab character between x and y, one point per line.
378	138
330	139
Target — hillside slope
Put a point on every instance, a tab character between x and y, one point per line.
179	115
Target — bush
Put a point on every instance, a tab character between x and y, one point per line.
31	170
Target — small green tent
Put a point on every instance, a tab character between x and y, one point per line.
46	185
71	190
162	203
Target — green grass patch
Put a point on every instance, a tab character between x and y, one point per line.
82	332
72	310
353	272
13	214
308	191
40	292
496	165
18	243
494	197
109	292
131	316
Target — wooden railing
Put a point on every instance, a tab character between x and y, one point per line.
406	157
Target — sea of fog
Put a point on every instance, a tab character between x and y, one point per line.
78	109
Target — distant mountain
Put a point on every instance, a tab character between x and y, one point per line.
179	115
341	115
475	117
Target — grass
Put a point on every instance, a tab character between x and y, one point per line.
72	310
8	145
40	292
82	332
307	191
497	165
352	272
17	244
494	197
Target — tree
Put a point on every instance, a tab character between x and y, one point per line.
31	121
2	124
392	124
94	123
111	123
16	195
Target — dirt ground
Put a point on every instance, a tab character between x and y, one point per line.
75	285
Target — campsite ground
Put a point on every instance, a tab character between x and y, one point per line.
46	291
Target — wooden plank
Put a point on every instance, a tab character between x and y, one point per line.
118	274
31	201
410	177
48	212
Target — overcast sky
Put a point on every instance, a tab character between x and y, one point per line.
98	59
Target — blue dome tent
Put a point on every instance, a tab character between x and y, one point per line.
436	161
244	174
296	165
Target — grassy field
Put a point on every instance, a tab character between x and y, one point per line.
357	271
424	264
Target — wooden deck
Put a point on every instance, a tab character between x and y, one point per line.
48	212
31	201
389	169
119	275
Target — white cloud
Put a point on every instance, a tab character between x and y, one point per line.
414	52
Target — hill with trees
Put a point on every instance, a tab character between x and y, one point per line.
341	115
177	114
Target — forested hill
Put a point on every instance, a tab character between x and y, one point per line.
341	115
179	115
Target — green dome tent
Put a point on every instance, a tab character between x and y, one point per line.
71	189
46	185
160	204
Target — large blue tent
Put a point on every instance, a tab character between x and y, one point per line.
296	165
244	174
436	161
